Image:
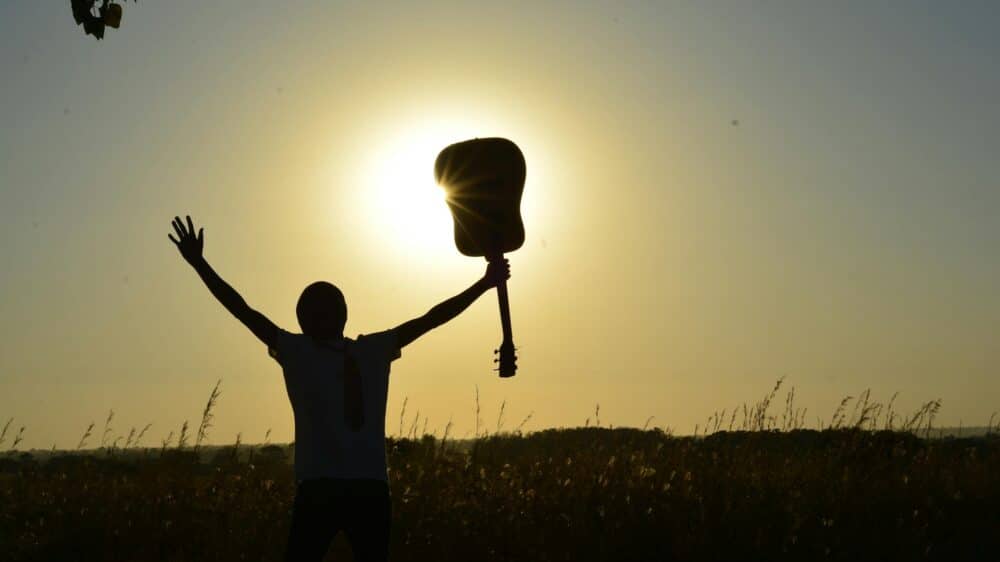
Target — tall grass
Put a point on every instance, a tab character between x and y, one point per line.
753	483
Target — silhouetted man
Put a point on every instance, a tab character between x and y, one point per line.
338	388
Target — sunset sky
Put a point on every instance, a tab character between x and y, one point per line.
718	195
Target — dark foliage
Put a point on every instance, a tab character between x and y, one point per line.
96	15
580	494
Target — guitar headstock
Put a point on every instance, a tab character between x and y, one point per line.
507	360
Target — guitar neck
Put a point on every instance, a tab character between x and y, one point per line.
507	358
508	336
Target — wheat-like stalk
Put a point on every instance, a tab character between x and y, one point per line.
128	440
500	420
236	447
107	429
6	426
890	415
167	441
760	419
444	438
207	416
182	438
138	438
478	418
86	434
838	414
789	416
17	439
412	432
402	416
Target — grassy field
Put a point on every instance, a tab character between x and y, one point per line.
765	490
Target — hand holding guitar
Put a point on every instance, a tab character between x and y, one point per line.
497	272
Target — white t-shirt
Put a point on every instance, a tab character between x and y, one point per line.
325	447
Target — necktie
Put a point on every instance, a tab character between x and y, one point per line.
354	414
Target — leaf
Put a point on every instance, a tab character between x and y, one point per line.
81	10
94	27
112	15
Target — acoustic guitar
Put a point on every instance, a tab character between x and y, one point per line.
483	180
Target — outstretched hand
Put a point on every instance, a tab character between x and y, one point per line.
497	272
189	245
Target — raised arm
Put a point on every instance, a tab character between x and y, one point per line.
406	332
190	247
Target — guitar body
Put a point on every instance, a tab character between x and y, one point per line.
484	180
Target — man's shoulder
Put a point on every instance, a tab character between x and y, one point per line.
377	336
285	344
383	345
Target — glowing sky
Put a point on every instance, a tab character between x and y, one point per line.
718	195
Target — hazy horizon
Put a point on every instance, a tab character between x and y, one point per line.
718	195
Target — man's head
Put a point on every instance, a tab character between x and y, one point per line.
322	311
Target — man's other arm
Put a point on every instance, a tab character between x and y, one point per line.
407	332
190	247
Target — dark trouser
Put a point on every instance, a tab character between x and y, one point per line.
324	507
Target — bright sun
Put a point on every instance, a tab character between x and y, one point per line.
404	208
404	204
